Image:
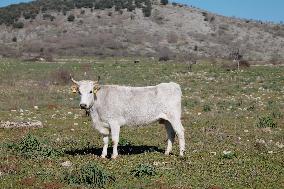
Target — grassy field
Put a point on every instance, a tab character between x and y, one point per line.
234	123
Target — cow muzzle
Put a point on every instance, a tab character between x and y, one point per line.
83	106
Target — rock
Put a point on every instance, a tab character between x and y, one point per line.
279	145
66	164
266	130
36	107
225	152
10	124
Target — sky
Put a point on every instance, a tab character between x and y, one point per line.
265	10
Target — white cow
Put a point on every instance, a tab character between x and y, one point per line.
112	106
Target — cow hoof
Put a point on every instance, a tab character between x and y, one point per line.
113	156
103	156
167	153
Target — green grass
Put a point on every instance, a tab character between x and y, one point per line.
222	111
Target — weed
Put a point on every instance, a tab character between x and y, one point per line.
89	174
61	76
266	121
124	142
228	155
206	108
143	170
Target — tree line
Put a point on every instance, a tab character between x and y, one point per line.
10	15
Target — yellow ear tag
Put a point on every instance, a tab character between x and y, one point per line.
96	89
74	89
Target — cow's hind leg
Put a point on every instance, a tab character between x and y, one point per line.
178	128
171	137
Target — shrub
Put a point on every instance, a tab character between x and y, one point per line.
174	4
147	10
206	108
71	18
29	15
89	174
14	39
18	25
31	147
164	58
48	16
164	2
143	170
266	121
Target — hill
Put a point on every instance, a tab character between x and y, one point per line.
132	27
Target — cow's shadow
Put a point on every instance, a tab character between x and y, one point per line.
122	150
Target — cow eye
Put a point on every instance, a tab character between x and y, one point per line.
91	91
79	92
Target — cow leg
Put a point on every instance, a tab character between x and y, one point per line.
171	137
178	128
115	129
105	139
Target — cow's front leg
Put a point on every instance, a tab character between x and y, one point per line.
104	152
115	129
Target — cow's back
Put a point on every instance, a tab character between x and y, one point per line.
138	105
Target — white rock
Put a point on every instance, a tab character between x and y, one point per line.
72	129
36	107
225	152
260	141
279	145
66	164
270	152
76	124
69	113
214	153
21	110
246	131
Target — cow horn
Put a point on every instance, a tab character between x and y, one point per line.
76	82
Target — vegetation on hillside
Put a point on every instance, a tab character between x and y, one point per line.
11	14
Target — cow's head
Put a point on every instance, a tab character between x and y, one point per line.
87	90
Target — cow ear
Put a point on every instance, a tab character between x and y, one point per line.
74	88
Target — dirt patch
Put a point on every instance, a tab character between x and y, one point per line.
9	168
28	181
53	185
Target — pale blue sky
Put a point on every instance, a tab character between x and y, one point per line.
266	10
